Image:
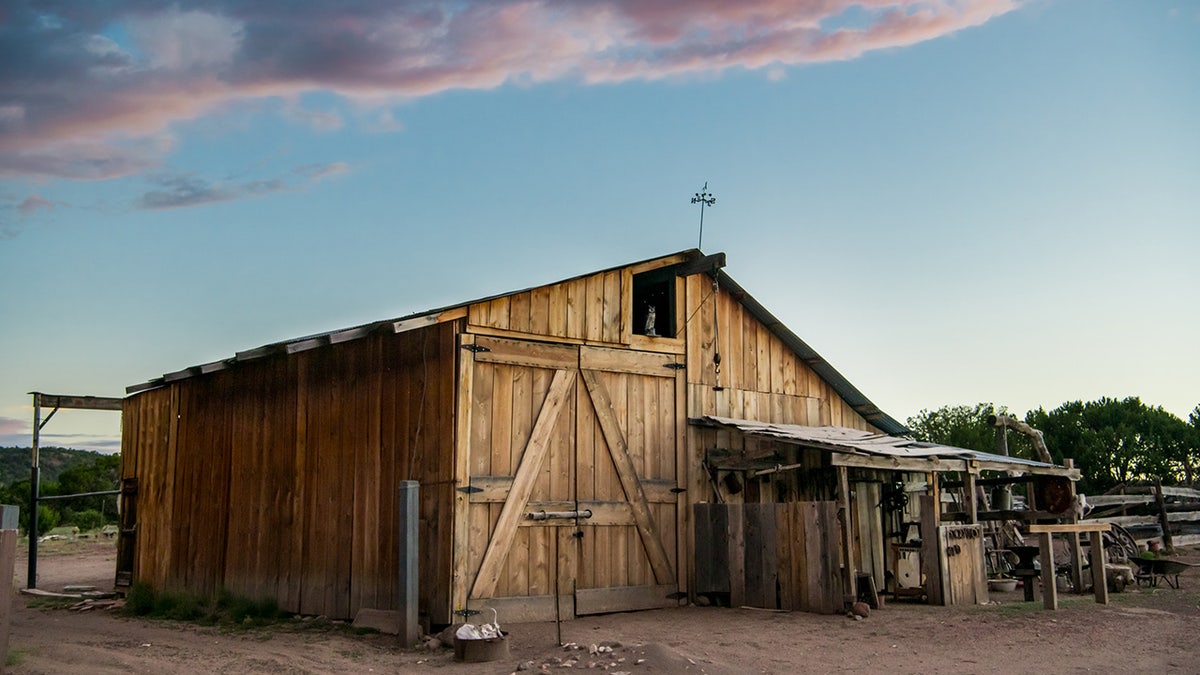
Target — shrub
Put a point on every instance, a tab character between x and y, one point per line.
140	599
47	518
88	520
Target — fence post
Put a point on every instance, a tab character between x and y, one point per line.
408	521
8	559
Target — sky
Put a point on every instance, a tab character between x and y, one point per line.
952	201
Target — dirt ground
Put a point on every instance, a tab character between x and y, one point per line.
1146	630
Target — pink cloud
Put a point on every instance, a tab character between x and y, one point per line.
82	106
32	204
12	427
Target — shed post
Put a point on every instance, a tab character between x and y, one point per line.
849	571
408	506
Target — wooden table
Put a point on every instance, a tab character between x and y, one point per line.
1099	580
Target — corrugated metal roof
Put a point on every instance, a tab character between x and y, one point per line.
842	439
853	397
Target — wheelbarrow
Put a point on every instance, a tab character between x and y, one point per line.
1151	570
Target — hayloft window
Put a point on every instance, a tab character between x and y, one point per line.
654	303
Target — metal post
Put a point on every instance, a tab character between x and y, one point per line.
409	527
31	581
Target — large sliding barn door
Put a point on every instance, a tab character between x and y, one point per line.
572	459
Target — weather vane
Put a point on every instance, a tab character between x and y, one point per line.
703	198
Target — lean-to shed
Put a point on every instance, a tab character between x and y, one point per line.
274	472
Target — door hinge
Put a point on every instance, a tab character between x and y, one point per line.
464	613
469	489
675	366
677	490
475	349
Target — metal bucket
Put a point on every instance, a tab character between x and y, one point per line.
479	650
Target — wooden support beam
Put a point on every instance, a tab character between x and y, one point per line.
930	555
1046	556
970	498
76	402
849	571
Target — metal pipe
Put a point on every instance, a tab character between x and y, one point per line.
102	493
31	581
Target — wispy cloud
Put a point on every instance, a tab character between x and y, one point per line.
33	204
78	103
177	191
319	171
181	190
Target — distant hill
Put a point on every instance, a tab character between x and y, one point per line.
14	462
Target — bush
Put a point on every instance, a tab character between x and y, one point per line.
140	599
88	520
47	518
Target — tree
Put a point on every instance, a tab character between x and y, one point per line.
965	427
1117	441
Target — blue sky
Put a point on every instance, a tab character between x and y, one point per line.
953	201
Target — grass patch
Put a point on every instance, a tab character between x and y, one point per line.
226	610
15	657
50	602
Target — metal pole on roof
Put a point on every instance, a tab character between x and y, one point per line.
703	198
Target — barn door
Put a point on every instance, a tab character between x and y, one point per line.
571	476
521	460
626	450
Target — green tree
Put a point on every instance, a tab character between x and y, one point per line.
1117	441
965	426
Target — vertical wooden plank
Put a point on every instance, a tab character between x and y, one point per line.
1046	557
783	555
574	296
519	312
1099	579
777	365
930	556
558	308
849	573
462	474
611	310
755	543
705	553
693	346
763	341
539	311
626	293
750	363
594	308
737	555
498	313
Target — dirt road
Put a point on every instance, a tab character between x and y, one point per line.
1142	630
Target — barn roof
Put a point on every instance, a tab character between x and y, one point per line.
856	442
847	391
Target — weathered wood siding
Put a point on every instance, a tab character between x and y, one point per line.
762	379
592	309
278	477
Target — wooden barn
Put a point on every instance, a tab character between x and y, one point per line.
562	437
